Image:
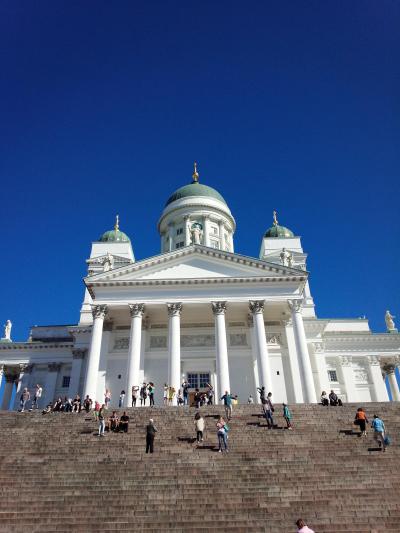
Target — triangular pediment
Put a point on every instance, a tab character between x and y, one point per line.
196	262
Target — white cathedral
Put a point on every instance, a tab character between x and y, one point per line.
203	313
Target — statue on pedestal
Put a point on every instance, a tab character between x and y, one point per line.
7	331
108	262
286	258
197	233
390	325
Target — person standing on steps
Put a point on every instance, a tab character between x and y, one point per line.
185	389
102	421
171	394
143	394
121	399
165	394
107	397
287	415
25	397
268	409
37	397
150	388
361	421
200	425
210	394
222	433
135	390
379	432
261	392
302	527
151	431
228	404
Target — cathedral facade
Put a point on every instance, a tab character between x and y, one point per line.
202	313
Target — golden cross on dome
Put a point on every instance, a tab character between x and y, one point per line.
116	227
195	174
275	219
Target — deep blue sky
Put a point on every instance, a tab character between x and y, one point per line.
104	106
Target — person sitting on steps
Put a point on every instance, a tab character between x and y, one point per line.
113	422
124	423
334	400
302	527
324	398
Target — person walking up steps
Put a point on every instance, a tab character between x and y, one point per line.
102	422
200	425
361	421
268	409
228	404
379	432
287	415
151	431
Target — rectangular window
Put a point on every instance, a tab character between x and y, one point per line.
179	231
192	380
204	379
332	375
65	382
214	230
214	244
180	244
198	380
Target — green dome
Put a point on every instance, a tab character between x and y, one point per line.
278	232
195	189
115	235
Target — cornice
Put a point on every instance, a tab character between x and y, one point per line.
34	346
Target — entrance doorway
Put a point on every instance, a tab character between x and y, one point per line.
197	380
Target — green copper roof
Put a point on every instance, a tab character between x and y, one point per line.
114	235
278	232
195	189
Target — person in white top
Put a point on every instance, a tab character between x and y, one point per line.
200	425
250	399
165	398
302	527
37	396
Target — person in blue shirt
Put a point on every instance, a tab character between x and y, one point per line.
379	432
228	404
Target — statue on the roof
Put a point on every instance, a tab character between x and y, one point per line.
390	325
197	233
286	258
7	331
108	262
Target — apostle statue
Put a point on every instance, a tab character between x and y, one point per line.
7	331
286	258
390	325
108	262
197	233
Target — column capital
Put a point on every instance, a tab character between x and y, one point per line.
10	378
218	308
345	360
389	368
54	367
174	309
136	310
373	360
186	217
99	311
256	306
25	368
79	353
295	305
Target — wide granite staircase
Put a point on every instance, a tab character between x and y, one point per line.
58	476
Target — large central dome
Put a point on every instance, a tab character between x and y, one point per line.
195	189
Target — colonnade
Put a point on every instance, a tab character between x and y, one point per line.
300	361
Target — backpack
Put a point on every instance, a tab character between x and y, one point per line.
226	428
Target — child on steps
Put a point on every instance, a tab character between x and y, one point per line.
287	415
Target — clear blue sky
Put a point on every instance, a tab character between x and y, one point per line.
286	105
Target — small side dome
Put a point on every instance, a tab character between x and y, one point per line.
195	189
115	235
277	231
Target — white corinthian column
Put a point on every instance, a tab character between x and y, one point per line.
302	350
390	370
99	312
264	370
135	343
174	347
219	309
